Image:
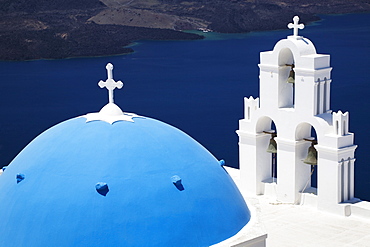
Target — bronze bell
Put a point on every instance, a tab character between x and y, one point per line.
272	148
311	158
291	78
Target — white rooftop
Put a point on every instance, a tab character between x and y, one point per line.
291	225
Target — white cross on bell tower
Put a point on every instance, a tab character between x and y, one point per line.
110	84
295	26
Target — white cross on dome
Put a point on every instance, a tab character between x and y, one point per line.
110	84
110	113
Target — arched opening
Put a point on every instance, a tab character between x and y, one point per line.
267	127
286	88
307	162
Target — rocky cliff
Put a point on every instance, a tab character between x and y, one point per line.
35	29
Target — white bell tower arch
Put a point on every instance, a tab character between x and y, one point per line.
296	108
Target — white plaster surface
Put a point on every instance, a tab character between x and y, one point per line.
110	113
295	225
291	225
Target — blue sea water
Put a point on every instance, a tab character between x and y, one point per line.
197	86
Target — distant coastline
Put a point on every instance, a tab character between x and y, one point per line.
33	29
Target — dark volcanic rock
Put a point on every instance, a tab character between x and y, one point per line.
35	29
86	40
35	6
54	34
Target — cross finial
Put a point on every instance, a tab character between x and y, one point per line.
110	84
295	26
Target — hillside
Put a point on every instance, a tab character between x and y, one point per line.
35	29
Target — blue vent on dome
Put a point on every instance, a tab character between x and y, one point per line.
176	180
19	177
222	162
102	188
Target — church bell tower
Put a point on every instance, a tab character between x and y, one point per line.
290	131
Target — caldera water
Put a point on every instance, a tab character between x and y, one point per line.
197	86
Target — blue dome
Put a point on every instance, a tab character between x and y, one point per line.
142	183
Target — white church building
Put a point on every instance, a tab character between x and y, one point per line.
290	130
113	178
297	109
